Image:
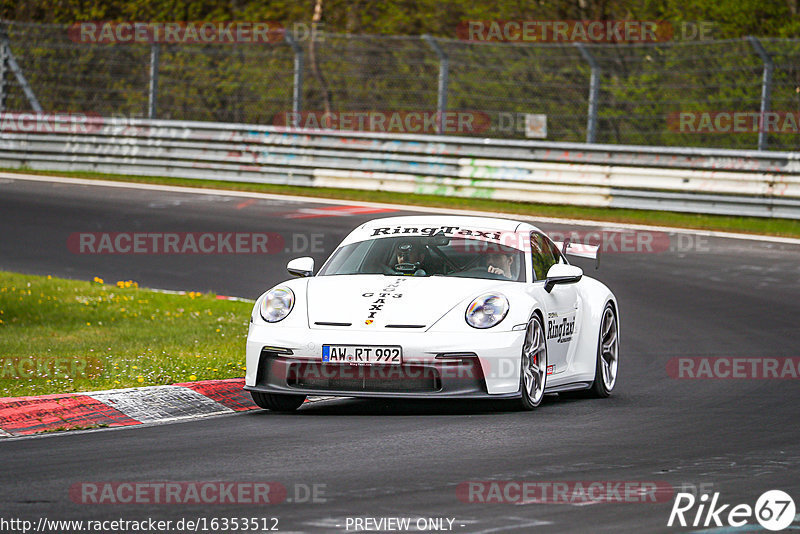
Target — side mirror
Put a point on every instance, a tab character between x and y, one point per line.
561	273
301	266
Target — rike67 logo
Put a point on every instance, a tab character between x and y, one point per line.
774	510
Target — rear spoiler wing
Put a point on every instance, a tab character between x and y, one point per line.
580	250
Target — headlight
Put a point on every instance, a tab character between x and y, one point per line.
487	310
277	304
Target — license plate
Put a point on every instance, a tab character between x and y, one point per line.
361	354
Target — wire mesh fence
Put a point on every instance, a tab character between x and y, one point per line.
663	94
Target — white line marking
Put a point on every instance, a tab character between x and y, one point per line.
146	404
399	207
542	501
159	403
47	435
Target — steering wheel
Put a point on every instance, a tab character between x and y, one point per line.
406	268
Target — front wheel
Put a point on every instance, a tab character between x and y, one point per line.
277	402
533	375
605	375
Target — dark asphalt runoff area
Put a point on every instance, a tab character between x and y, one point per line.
695	296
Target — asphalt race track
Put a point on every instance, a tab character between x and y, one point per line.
694	297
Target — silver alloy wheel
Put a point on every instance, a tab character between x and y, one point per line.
609	348
534	361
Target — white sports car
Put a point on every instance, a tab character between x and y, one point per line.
435	307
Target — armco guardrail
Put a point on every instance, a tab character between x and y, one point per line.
729	182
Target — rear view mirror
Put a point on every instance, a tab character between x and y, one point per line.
438	240
301	266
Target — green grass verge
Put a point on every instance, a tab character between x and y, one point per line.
751	225
64	336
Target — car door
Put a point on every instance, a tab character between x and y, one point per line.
560	305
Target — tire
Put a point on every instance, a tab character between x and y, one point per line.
533	365
277	402
607	366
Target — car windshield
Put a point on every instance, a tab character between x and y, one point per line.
436	255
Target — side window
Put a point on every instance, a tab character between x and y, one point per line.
543	255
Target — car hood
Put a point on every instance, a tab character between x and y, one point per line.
378	301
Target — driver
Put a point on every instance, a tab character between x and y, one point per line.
500	263
407	258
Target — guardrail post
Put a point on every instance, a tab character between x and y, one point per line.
594	90
444	78
14	66
152	95
766	88
3	69
297	92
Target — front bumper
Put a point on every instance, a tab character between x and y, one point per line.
448	365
